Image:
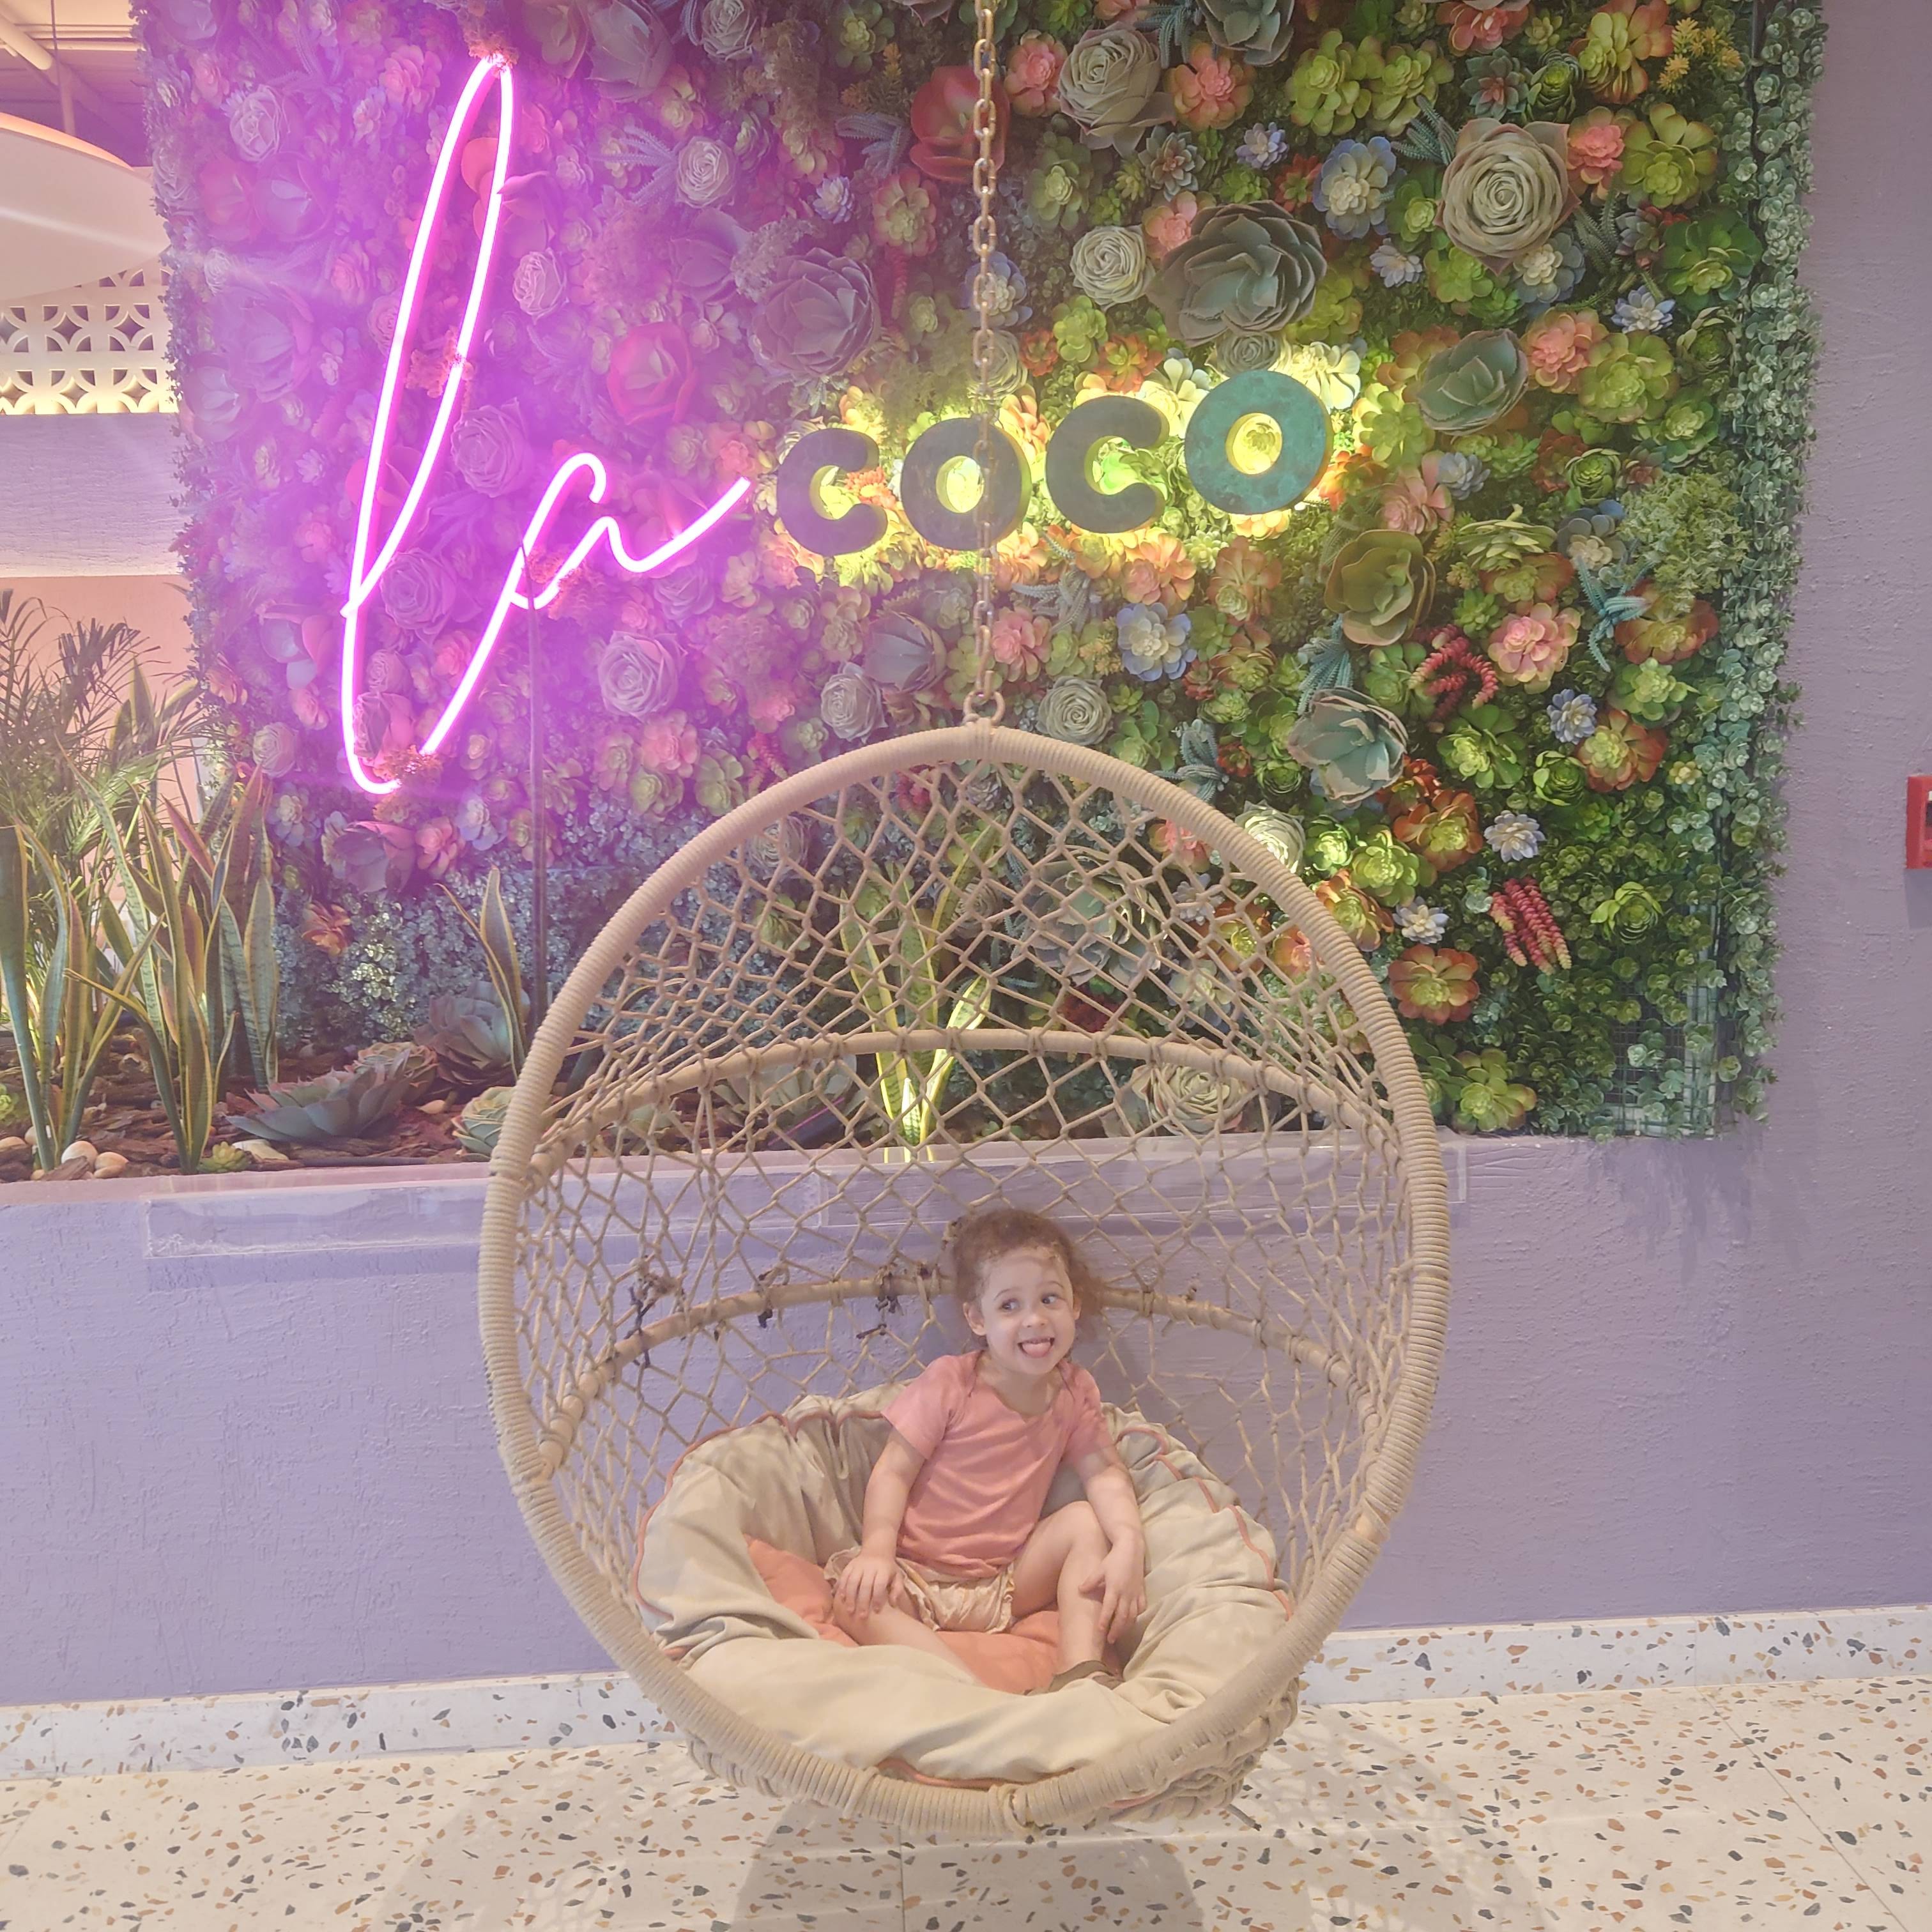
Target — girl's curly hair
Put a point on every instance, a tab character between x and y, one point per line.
982	1235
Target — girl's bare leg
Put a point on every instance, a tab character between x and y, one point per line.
893	1626
1065	1550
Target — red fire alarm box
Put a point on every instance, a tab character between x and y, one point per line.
1918	824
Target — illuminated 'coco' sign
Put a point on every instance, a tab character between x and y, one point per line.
374	553
1299	419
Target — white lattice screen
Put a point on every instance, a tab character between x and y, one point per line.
89	351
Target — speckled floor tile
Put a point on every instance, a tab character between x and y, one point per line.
1857	1759
1771	1808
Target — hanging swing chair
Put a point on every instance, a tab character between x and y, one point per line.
966	965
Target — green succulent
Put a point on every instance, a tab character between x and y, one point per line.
1240	183
1353	748
1327	848
1551	94
1413	207
1489	1102
1401	80
1479	748
1688	427
1381	585
1324	93
1258	30
1628	379
1708	260
1649	691
1060	182
1459	281
470	1033
1628	915
1389	680
1390	427
1559	780
1392	872
1595	474
1500	543
1079	328
1465	387
1670	160
481	1121
1478	611
343	1102
858	33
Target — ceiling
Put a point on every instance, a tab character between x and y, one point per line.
93	41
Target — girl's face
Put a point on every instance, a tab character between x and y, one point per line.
1025	1311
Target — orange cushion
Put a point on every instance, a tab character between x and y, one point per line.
1024	1658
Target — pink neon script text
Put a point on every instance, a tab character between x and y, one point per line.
365	570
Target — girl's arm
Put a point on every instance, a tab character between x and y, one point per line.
1121	1584
872	1579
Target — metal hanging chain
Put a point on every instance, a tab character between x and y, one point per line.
985	701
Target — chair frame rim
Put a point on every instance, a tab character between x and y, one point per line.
744	1750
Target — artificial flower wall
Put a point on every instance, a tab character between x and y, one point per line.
1511	667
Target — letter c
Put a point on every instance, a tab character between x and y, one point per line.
808	459
946	442
1140	426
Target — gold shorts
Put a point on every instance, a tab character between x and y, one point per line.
946	1603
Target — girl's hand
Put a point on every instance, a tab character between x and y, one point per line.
869	1584
1121	1583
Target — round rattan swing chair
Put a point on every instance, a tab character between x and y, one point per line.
966	963
802	1072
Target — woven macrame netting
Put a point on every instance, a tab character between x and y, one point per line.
926	988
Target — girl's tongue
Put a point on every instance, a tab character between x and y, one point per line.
1037	1351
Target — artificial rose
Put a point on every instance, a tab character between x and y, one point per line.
725	27
849	703
257	124
1467	388
274	748
819	313
705	173
944	146
901	653
1110	266
1507	190
490	451
537	285
1032	74
1530	648
1075	711
1252	269
1437	985
419	593
637	675
1110	88
651	377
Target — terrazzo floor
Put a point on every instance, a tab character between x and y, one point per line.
1805	1808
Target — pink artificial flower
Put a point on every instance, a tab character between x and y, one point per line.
668	745
1559	343
1169	224
1414	501
1211	89
437	845
1032	74
1596	149
1019	642
1531	647
1121	13
771	705
409	76
1157	570
1481	26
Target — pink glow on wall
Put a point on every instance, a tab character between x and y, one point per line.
365	572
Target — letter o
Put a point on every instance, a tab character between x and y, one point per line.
945	443
1297	413
820	450
1140	426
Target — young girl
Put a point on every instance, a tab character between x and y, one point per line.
953	1538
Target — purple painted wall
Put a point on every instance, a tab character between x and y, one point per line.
245	1449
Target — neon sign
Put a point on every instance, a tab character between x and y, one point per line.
366	571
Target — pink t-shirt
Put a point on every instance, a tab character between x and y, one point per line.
987	1468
